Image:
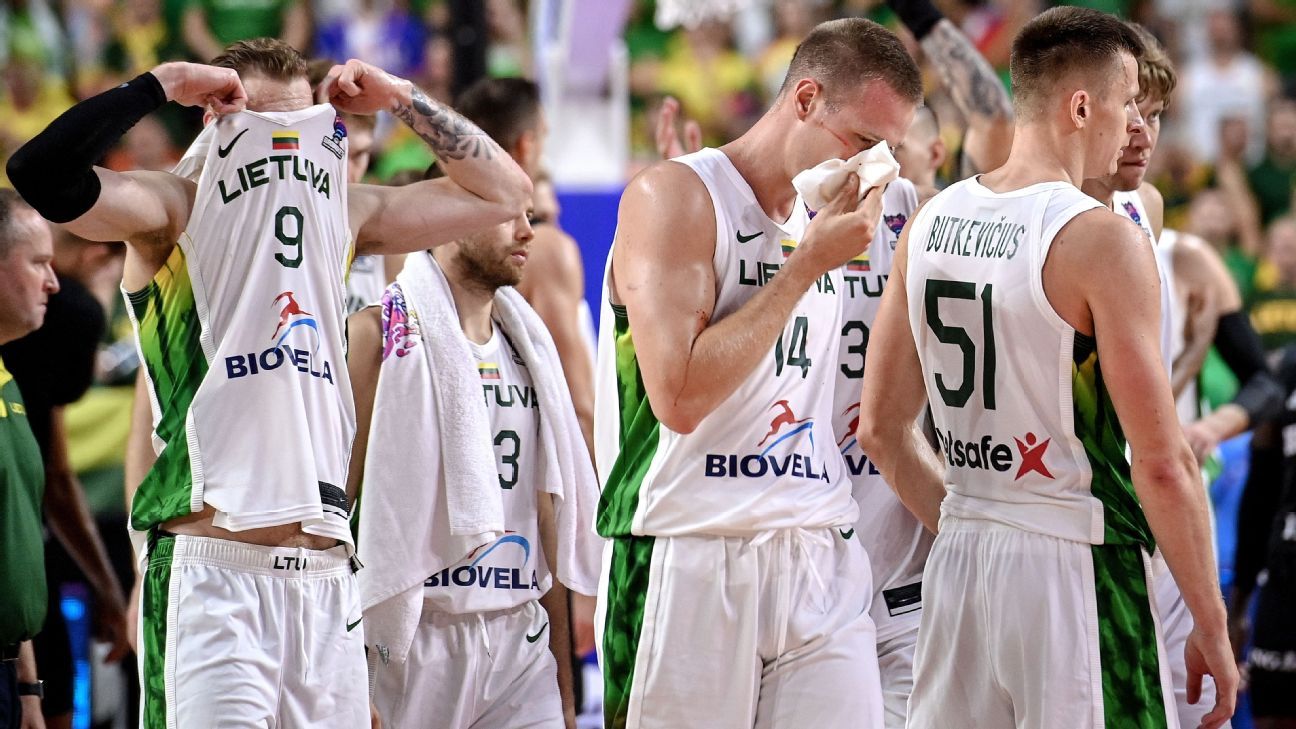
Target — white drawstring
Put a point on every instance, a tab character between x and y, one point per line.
301	611
801	540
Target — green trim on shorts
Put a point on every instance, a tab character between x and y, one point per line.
626	595
1127	644
154	607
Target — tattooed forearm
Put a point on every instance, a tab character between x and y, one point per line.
448	134
972	83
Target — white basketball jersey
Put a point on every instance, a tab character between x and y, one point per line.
242	329
511	570
1188	404
365	282
1130	204
766	458
896	542
1029	434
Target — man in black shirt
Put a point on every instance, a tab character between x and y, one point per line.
1266	556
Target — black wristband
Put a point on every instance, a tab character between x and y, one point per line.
919	16
54	171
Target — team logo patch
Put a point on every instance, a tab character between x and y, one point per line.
398	328
476	574
895	222
783	427
785	419
850	429
288	140
292	316
334	143
1132	212
294	323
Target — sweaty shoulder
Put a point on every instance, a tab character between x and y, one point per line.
673	191
1095	241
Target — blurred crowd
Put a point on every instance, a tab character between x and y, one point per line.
1226	165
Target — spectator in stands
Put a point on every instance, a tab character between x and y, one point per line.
382	32
1211	218
714	83
140	38
1227	82
210	25
1275	25
1271	180
1273	309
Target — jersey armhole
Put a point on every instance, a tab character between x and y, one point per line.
1047	236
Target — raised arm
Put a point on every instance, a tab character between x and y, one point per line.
1122	310
483	185
972	83
55	171
662	271
893	397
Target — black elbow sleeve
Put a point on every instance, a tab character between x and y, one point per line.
54	172
1239	346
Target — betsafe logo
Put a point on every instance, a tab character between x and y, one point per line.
475	574
987	454
296	328
775	453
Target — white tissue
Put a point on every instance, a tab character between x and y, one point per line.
820	184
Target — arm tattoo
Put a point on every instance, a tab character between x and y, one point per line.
448	134
972	83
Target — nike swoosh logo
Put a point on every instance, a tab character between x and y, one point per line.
846	535
741	238
223	152
534	638
351	626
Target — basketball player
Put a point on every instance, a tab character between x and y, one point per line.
1040	526
235	287
896	542
922	153
508	109
515	681
1196	294
734	593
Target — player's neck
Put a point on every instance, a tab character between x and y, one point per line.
1099	190
474	303
756	155
1037	155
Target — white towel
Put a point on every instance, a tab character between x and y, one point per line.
430	431
820	184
